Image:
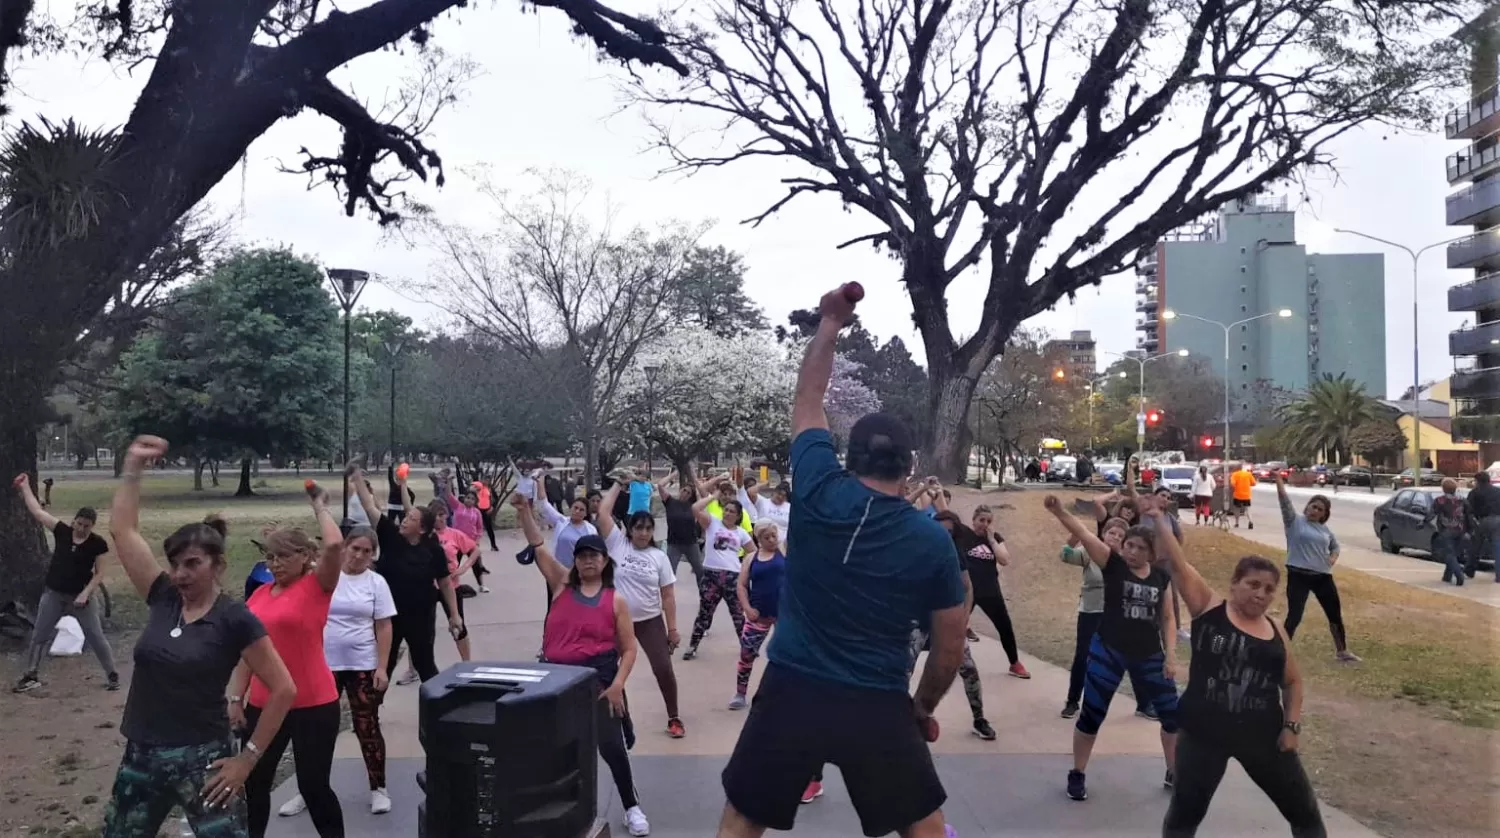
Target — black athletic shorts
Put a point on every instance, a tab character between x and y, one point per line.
798	723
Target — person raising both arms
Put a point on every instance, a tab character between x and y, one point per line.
723	543
1135	634
464	516
294	608
1311	552
1243	699
835	686
590	625
176	722
683	535
73	575
566	530
644	578
411	560
720	492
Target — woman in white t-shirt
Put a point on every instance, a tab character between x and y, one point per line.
645	578
723	542
356	638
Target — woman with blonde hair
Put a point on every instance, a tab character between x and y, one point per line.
294	608
758	590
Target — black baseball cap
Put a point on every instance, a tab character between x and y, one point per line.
881	433
591	542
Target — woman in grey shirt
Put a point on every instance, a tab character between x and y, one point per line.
1311	552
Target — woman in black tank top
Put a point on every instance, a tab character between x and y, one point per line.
1243	699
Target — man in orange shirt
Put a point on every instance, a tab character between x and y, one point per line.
1241	482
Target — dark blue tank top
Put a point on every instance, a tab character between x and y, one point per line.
765	583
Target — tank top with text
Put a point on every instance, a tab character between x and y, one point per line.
1233	696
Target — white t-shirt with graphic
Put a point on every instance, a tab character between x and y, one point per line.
640	574
349	636
722	546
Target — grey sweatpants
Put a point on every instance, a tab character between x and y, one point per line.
53	607
690	551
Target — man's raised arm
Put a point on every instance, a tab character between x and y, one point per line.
836	309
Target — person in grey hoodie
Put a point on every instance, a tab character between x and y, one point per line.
1311	552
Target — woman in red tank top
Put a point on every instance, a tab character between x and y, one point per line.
589	626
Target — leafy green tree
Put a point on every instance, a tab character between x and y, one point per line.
1325	417
895	378
246	361
1378	440
376	334
712	294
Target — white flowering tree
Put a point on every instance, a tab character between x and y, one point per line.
707	394
848	398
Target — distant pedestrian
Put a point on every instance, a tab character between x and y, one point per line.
1312	550
1449	513
1484	506
73	575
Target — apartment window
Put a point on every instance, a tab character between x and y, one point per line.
1242	251
1242	269
1243	309
1243	327
1242	289
1244	348
1244	386
1244	405
1244	367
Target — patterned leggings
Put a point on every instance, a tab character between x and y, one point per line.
716	586
152	780
967	672
752	636
364	712
1106	668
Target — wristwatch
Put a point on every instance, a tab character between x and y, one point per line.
1294	727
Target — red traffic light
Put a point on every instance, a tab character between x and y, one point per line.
1208	442
1153	417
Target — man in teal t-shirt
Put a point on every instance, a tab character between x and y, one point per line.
865	568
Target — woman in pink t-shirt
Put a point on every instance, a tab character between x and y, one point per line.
294	610
462	551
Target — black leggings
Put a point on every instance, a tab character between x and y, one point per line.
993	606
414	624
1200	767
312	732
488	515
1299	583
611	733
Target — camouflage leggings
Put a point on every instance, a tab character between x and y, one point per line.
967	672
151	780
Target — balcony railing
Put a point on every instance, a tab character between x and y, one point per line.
1469	163
1145	304
1479	116
1475	383
1480	292
1483	339
1478	204
1147	322
1476	429
1481	250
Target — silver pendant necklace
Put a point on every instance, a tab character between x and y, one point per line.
176	631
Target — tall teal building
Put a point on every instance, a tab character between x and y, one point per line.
1246	262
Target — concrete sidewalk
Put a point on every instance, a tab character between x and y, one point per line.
1012	786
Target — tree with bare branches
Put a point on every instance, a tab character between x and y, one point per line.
966	130
1019	401
574	297
83	209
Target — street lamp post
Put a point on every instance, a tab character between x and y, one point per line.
1416	352
347	286
393	351
1140	416
1172	315
651	373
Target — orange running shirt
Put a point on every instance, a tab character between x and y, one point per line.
1241	481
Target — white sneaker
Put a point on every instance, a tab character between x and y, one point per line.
483	589
380	802
409	677
635	821
293	807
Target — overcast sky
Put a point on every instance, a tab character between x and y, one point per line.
545	100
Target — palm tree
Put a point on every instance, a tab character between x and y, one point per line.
1325	416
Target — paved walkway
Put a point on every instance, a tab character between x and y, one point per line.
1011	787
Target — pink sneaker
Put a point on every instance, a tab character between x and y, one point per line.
813	792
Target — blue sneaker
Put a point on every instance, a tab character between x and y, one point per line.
1076	787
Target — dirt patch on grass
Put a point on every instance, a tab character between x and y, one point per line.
1407	742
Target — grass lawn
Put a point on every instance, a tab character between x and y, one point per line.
1419	715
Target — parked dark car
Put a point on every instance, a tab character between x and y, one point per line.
1430	477
1404	522
1354	476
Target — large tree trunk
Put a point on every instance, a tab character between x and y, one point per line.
946	454
23	555
244	490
